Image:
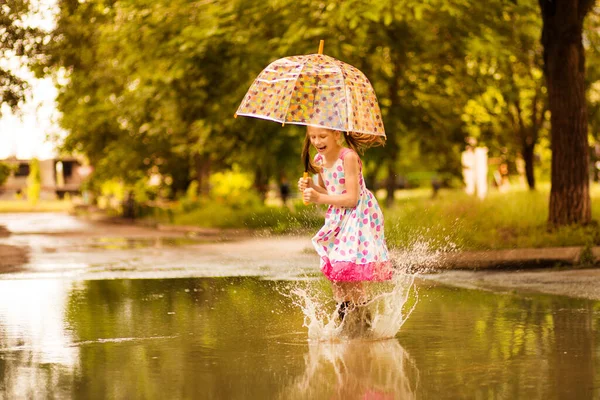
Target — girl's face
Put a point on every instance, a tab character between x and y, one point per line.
323	139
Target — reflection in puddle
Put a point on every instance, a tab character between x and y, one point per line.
356	370
34	336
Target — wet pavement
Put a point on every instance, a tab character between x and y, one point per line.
217	321
62	246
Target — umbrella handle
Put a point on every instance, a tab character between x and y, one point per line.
305	177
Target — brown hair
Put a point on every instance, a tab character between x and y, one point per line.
358	142
307	159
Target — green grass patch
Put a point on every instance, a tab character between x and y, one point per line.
277	220
16	206
515	219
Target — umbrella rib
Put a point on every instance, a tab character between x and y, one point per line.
288	103
346	97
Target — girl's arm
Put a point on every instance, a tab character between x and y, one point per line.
348	199
321	186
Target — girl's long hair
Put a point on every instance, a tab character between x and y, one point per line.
358	142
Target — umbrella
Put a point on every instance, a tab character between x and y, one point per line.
316	90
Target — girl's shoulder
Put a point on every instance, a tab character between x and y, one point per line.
346	151
349	154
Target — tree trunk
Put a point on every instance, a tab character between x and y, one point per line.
392	148
390	184
371	178
261	182
564	68
202	173
527	150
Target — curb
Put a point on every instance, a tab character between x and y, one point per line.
514	258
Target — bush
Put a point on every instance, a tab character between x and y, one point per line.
5	172
234	188
34	182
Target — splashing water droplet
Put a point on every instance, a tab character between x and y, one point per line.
389	306
382	316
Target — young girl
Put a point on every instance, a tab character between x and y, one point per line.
351	244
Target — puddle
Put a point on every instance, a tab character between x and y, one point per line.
226	338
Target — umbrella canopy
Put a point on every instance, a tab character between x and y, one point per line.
315	90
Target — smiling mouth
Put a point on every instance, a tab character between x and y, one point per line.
321	148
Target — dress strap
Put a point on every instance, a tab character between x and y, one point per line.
344	151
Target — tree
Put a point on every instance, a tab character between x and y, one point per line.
564	68
5	171
153	85
34	182
18	41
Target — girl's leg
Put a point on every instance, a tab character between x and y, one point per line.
349	295
349	291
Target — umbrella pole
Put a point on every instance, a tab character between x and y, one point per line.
321	45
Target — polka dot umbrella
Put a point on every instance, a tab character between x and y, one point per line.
316	90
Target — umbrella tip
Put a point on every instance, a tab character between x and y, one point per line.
235	115
321	45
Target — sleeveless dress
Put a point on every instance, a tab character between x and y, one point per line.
351	243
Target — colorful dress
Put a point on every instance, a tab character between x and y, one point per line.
351	244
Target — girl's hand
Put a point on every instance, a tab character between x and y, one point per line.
304	183
310	195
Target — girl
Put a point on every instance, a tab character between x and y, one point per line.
351	244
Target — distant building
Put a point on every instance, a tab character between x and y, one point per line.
58	177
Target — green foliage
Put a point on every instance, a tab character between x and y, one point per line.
233	188
19	41
191	200
453	220
152	86
206	213
34	181
112	193
191	193
143	192
586	257
5	171
113	188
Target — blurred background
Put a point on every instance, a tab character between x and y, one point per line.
125	108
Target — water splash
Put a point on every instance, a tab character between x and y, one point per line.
390	304
381	317
422	256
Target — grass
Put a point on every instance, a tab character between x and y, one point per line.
258	217
17	206
514	219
